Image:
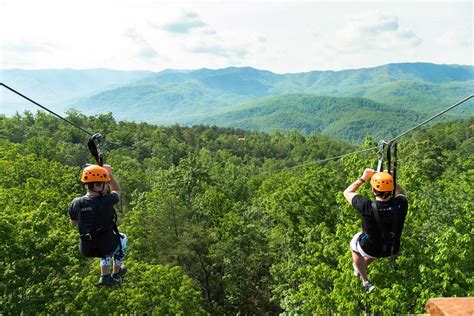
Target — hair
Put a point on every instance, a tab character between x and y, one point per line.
383	194
90	185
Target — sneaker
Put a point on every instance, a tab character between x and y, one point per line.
356	272
120	274
108	280
369	287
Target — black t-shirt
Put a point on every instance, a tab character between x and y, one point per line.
372	241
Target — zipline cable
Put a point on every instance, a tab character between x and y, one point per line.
433	117
388	143
59	116
331	158
289	168
46	109
92	134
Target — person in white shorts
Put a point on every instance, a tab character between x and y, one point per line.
382	221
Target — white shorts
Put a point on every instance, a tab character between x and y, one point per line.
355	245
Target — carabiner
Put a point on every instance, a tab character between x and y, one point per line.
94	147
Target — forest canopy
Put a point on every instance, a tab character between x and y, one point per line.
228	221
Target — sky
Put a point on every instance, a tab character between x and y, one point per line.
279	36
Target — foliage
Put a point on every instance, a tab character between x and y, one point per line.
349	119
222	225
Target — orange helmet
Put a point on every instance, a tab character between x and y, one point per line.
382	181
95	173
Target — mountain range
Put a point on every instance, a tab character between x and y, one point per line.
347	104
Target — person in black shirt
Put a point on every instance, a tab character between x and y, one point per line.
382	221
95	217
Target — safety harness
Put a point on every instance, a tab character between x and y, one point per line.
386	148
95	230
94	145
388	236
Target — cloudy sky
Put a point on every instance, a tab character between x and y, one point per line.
280	36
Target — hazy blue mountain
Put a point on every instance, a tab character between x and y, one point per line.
343	118
244	81
394	72
165	104
420	96
242	96
57	88
419	86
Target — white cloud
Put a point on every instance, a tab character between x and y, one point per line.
23	53
261	38
453	39
26	47
220	50
209	31
184	24
143	48
280	36
229	48
360	40
375	30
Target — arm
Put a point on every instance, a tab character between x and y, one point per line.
350	191
114	185
74	212
399	190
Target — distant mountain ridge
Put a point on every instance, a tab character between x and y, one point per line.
184	96
349	119
217	96
59	87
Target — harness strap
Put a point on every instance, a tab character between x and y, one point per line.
115	229
377	218
94	231
91	233
385	233
119	238
394	147
395	220
389	159
380	154
77	205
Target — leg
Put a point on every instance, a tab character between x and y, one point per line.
119	255
116	268
369	260
361	262
105	265
105	277
356	256
361	265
